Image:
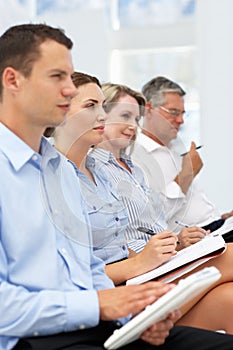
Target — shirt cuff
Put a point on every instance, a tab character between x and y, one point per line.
82	310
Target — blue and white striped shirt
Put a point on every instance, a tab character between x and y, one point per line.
141	203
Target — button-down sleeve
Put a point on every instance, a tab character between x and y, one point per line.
47	275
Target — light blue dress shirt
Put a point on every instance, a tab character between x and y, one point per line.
141	203
48	274
107	215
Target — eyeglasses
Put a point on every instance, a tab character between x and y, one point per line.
173	112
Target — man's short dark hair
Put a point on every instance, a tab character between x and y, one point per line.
19	46
155	89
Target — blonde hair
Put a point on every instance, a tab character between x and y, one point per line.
113	92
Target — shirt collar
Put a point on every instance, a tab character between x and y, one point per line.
147	142
102	155
127	159
106	157
19	153
90	162
50	154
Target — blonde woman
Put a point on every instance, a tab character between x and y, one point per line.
116	169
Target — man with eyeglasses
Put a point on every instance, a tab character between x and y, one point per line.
169	173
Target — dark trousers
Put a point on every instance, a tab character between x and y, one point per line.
213	226
228	237
180	338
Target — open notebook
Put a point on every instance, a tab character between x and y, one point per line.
184	261
183	292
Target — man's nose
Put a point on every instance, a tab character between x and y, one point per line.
180	118
69	90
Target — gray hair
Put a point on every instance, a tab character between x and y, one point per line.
155	89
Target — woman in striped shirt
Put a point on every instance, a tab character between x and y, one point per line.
116	169
83	128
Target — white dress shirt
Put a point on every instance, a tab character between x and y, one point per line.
161	165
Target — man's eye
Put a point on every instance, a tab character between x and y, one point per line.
57	76
175	112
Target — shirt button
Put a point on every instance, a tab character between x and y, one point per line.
94	207
124	247
116	234
117	219
35	157
63	251
36	334
82	326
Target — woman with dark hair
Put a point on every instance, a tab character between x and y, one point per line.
83	129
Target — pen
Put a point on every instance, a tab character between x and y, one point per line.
184	154
181	223
146	230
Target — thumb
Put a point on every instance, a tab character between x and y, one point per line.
193	146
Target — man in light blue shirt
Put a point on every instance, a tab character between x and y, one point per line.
53	293
29	229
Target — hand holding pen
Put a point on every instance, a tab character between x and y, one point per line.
184	154
194	157
190	234
191	165
159	249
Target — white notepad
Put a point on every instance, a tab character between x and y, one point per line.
183	292
185	260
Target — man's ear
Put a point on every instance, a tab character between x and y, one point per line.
148	109
11	79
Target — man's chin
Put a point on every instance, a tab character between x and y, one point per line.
60	121
169	138
174	134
